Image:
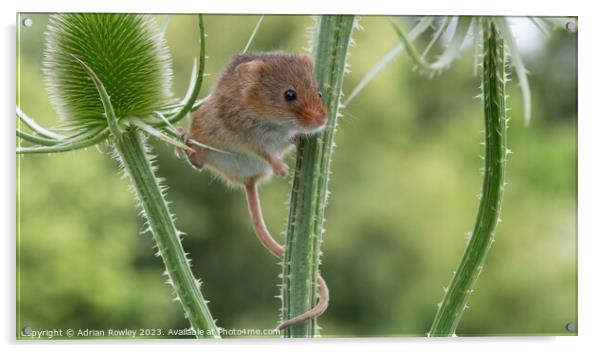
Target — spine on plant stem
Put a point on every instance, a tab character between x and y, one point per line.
494	103
131	151
310	180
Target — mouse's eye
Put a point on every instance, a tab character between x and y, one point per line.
320	94
290	95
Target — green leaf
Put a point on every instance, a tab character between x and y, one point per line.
420	28
252	37
37	139
158	134
451	52
90	138
37	128
436	36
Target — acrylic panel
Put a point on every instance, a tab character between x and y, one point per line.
448	206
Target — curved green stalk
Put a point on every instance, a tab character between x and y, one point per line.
136	162
310	181
89	139
191	100
131	152
494	100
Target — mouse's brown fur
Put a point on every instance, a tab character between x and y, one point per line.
249	117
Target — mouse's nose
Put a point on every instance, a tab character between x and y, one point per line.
315	119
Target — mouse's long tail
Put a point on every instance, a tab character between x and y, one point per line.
278	250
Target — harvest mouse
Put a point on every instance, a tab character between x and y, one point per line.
262	103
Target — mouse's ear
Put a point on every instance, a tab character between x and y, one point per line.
249	70
308	61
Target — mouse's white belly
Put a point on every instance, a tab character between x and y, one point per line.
238	167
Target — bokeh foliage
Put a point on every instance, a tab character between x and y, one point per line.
404	184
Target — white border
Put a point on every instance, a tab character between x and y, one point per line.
589	174
372	7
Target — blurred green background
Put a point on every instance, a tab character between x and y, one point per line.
404	185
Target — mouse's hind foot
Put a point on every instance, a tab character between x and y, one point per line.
184	136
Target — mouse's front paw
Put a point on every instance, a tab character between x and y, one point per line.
279	167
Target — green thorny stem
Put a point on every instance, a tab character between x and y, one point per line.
310	180
130	149
481	239
136	162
